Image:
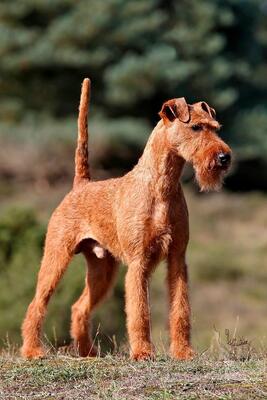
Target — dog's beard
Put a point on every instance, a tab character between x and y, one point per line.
209	178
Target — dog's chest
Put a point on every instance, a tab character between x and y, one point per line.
159	234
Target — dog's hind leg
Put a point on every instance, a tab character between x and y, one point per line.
57	254
99	279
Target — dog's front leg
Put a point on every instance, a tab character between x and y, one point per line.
179	316
138	313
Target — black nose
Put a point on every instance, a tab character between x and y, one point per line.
224	159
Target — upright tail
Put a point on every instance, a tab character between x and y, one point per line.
81	154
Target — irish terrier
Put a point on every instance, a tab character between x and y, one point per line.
139	219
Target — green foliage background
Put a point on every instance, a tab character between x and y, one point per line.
137	53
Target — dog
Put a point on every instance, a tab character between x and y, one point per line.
140	219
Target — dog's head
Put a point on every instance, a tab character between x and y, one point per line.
192	132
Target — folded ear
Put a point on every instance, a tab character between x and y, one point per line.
175	108
213	113
208	109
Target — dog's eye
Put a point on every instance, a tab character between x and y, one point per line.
196	128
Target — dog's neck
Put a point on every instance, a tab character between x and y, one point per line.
160	165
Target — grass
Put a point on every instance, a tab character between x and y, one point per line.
230	369
115	377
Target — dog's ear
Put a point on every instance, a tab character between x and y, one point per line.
213	113
208	109
175	108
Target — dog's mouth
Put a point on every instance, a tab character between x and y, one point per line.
219	168
211	176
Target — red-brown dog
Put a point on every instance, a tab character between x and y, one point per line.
140	219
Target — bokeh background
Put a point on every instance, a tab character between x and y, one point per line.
138	54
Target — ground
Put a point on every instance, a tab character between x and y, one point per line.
115	377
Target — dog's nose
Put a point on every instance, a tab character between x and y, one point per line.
224	159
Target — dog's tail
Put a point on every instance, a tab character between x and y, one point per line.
81	155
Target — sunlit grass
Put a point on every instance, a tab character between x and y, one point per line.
115	377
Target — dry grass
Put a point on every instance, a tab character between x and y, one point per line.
230	369
114	377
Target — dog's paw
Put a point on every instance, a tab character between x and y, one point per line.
183	353
32	353
143	355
